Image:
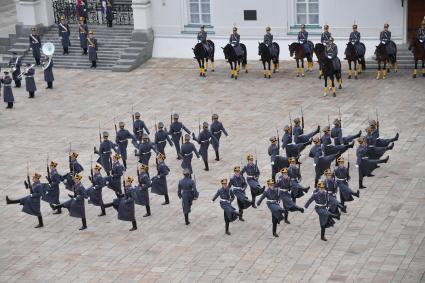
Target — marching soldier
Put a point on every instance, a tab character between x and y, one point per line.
226	197
161	138
204	139
144	150
272	195
186	152
76	204
202	38
7	90
320	197
326	35
285	186
331	52
336	134
321	163
94	193
234	40
64	34
117	171
31	203
176	133
298	132
35	45
92	42
238	185
342	176
109	12
51	190
292	149
187	192
252	176
327	146
139	127
303	40
375	140
15	63
268	41
48	71
29	73
216	129
354	39
294	174
385	38
375	152
83	31
104	152
159	182
140	193
121	139
124	204
74	169
331	187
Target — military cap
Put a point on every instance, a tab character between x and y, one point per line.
78	177
62	17
117	156
386	25
161	156
187	137
36	175
249	157
105	134
215	116
144	167
302	25
91	32
160	125
237	168
204	125
235	28
360	140
316	140
284	170
186	171
74	154
53	163
354	26
121	124
328	172
320	184
286	128
326	26
82	18
202	26
98	167
145	137
129	179
270	182
337	122
268	29
175	116
292	160
372	123
297	120
33	28
326	129
137	114
223	181
340	159
273	139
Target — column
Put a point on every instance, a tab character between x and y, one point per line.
34	12
142	15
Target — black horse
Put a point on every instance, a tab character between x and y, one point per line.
351	56
418	51
330	72
234	60
383	57
319	50
266	57
202	57
297	49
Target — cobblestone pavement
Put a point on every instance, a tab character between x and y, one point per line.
380	239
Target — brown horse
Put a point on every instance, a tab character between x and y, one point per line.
319	50
383	57
296	49
418	51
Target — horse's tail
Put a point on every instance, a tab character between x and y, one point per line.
244	61
363	63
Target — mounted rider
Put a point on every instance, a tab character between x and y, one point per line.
331	52
268	41
421	33
385	38
303	39
355	40
326	35
202	38
234	40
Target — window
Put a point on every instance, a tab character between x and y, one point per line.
307	12
200	12
250	15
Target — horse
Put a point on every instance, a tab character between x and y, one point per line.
319	50
418	51
330	72
297	49
351	56
382	56
266	57
234	60
202	57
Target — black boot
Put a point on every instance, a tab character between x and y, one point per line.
103	211
40	222
385	160
305	190
391	146
206	166
83	221
240	215
217	155
343	208
18	83
124	162
253	201
10	201
274	229
358	134
134	223
395	138
300	209
322	234
186	218
9	105
57	207
286	217
227	228
31	94
361	184
148	211
351	145
167	200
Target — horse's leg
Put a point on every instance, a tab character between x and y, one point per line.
212	61
378	72
298	67
237	68
386	67
270	72
333	85
325	89
320	69
339	77
414	70
302	67
232	73
200	66
264	69
423	67
355	69
349	69
388	64
204	68
206	64
395	63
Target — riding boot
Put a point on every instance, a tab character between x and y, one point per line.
148	211
11	201
286	217
253	201
40	222
103	211
83	221
240	215
227	228
186	218
217	155
167	200
206	166
134	223
300	209
124	162
275	228
361	183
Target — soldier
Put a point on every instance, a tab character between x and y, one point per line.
64	34
326	35
15	64
385	38
272	195
355	40
31	203
76	204
144	150
159	182
104	152
7	90
216	129
321	163
252	176
375	140
331	52
298	132
273	152
121	139
268	41
226	197
187	193
294	174
303	40
140	193
285	186
35	45
234	40
74	168
292	149
124	204
114	181
51	190
94	193
342	176
161	138
238	185
109	13
204	139
331	188
186	152
373	151
48	71
139	126
83	31
29	73
325	217
421	35
327	146
92	42
176	133
336	134
202	38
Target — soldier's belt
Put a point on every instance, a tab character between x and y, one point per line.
105	152
225	200
284	190
122	140
320	205
237	188
144	153
249	176
28	76
271	201
161	141
7	84
339	179
217	132
205	141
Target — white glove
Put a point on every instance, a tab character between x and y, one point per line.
272	163
314	164
357	166
200	158
30	48
329	57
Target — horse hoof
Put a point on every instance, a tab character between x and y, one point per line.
232	76
246	71
265	76
200	74
274	71
298	75
236	77
204	75
340	87
355	77
302	75
206	70
414	76
270	77
334	95
349	77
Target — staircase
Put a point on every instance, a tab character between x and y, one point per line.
404	59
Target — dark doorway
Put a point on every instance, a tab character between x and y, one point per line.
415	15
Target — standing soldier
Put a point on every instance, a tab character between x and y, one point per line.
144	150
342	176
29	73
238	185
92	42
273	152
64	34
385	38
104	152
268	41
285	187
336	134
326	35
31	203
121	139
48	71
216	128
94	193
76	204
187	193
161	138
15	64
7	90
202	38
226	197
74	169
109	12
272	195
35	45
331	52
159	182
354	39
140	193
234	40
114	181
252	175
139	127
83	31
298	132
303	40
204	139
124	204
176	133
51	190
187	151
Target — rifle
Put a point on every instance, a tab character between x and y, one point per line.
195	193
329	123
48	169
302	118
278	139
199	125
91	170
171	116
132	113
290	121
340	119
100	135
138	177
256	164
156	127
69	159
115	125
377	119
28	184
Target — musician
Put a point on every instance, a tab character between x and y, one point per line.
15	63
48	71
29	73
64	34
109	12
92	49
35	45
83	31
7	90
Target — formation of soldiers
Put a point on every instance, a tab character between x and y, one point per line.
281	191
